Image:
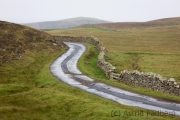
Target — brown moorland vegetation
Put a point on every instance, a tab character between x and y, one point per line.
137	25
16	39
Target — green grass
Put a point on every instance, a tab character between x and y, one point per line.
88	63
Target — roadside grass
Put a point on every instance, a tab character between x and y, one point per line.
35	94
88	63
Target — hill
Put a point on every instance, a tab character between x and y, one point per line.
136	25
16	40
66	23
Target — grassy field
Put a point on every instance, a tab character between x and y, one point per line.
154	49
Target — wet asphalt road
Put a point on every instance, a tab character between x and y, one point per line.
67	66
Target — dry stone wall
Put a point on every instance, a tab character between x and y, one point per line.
151	81
91	40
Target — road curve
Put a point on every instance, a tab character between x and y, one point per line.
65	69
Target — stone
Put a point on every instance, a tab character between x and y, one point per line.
177	86
172	80
54	44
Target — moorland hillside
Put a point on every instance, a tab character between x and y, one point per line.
137	25
16	40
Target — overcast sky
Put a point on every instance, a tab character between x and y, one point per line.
25	11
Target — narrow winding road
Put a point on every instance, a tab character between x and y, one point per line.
65	69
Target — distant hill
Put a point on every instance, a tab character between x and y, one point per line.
16	40
131	25
66	23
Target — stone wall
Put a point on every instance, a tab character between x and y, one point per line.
91	40
151	81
